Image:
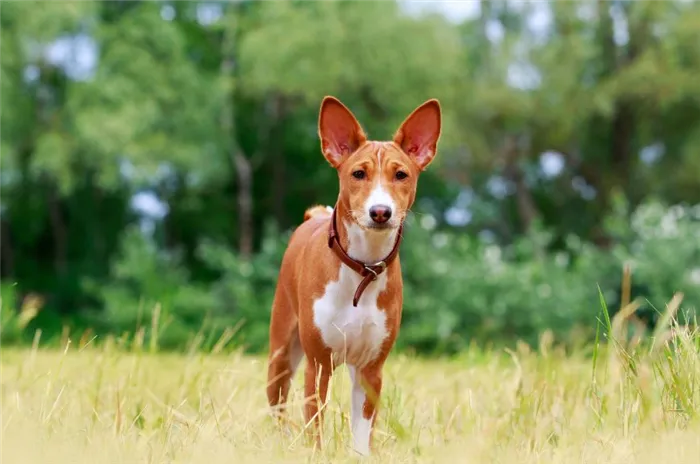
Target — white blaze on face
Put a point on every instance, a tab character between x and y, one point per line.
378	195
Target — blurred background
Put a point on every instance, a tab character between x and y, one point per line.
156	156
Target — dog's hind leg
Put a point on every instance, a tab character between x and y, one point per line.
284	358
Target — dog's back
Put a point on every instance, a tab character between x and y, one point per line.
317	211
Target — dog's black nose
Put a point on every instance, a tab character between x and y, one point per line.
380	213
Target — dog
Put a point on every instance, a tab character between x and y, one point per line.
339	293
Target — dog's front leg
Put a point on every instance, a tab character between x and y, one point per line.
366	390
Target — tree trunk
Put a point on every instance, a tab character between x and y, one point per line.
58	226
7	258
240	163
624	121
621	144
244	173
279	165
98	240
527	210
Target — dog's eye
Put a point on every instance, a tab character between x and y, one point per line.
359	174
400	175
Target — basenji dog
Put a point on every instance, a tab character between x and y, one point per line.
339	293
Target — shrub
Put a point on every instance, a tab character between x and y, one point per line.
458	289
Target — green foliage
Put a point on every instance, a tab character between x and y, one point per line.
17	317
458	289
461	289
245	288
211	109
10	327
145	280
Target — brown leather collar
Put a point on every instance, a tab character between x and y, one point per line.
370	272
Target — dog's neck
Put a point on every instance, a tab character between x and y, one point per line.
365	245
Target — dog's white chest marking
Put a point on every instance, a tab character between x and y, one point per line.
354	334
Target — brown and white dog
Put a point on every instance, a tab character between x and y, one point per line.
340	293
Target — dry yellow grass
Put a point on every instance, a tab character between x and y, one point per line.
637	400
101	404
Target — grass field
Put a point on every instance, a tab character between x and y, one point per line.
626	404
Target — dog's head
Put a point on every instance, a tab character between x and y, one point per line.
378	180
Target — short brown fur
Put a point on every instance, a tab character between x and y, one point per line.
309	265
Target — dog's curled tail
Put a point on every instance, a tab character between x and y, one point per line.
317	211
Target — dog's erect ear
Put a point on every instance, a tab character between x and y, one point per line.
419	133
339	131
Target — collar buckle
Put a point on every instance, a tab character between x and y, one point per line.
370	268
